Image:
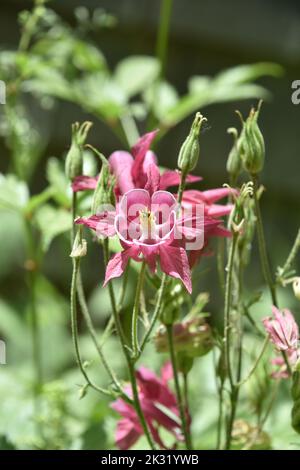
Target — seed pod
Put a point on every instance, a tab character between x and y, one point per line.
252	144
190	149
102	194
74	159
234	162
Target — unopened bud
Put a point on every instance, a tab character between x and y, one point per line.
83	391
193	338
74	159
296	287
102	194
234	162
190	149
79	246
252	144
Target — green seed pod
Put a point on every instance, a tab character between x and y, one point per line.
74	159
185	363
190	149
252	144
234	162
102	194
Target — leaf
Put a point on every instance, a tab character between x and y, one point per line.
52	222
88	58
161	98
135	73
14	193
230	85
58	181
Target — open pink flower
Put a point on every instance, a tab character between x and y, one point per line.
282	329
137	169
159	406
149	227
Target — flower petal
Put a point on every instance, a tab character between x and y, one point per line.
174	262
82	183
121	165
103	224
118	263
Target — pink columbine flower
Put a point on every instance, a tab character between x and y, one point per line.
282	329
137	169
150	227
159	407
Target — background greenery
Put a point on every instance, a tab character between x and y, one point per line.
206	37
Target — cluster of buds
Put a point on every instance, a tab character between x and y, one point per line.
248	149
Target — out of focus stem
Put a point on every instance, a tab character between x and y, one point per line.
135	313
262	245
163	34
34	319
180	403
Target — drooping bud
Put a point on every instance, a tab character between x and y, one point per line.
74	159
193	338
252	145
234	162
190	149
296	287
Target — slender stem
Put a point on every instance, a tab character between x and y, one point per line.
30	26
181	187
292	256
186	403
91	329
156	313
220	417
262	245
130	129
180	403
227	307
135	313
234	400
34	319
74	325
163	34
127	355
256	363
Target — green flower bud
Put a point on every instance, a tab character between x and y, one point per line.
74	159
185	363
234	162
193	338
296	287
79	248
102	192
252	144
190	149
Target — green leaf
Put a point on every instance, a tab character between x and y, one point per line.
161	98
135	73
248	72
52	222
14	194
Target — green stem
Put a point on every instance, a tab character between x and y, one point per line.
127	354
262	245
256	363
227	306
180	403
92	331
163	34
74	325
293	253
34	319
30	26
130	129
234	400
186	403
220	417
156	312
135	313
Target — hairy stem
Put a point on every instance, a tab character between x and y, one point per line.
180	403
